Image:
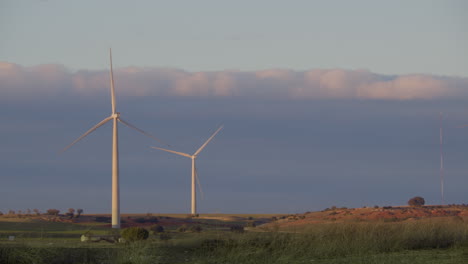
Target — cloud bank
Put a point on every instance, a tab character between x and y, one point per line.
54	80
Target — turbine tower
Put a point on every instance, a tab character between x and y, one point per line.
115	117
194	168
441	160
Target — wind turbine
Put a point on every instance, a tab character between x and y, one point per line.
115	117
441	141
194	169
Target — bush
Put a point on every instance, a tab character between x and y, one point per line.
132	234
416	201
157	229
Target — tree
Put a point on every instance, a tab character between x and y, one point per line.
416	201
36	211
70	213
136	233
53	212
79	212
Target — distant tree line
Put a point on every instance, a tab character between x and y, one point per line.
71	213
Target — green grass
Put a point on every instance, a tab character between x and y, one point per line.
443	240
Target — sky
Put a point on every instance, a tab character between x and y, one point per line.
324	103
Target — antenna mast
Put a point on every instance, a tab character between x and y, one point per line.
441	161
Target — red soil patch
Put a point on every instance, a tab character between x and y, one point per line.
387	214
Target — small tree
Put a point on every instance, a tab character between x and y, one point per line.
132	234
78	212
36	211
53	212
416	201
1	213
70	213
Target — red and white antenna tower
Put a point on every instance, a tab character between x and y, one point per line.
441	160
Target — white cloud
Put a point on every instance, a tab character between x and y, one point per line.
50	80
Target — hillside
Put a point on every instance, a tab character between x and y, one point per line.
366	214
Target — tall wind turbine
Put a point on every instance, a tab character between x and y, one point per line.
441	160
194	168
115	117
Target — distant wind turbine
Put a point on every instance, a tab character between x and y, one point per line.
115	116
194	169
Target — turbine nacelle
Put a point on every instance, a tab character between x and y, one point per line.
115	115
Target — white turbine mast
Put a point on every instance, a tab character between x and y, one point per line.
194	168
441	160
115	117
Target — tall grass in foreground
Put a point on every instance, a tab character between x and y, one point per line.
340	240
358	242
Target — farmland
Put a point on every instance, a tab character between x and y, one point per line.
335	235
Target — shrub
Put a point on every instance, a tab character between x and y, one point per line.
132	234
157	229
416	201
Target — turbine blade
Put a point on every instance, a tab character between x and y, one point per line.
141	131
112	83
208	141
198	183
463	126
175	152
87	132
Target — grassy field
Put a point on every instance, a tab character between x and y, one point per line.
431	240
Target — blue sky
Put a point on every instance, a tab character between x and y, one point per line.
391	37
324	103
